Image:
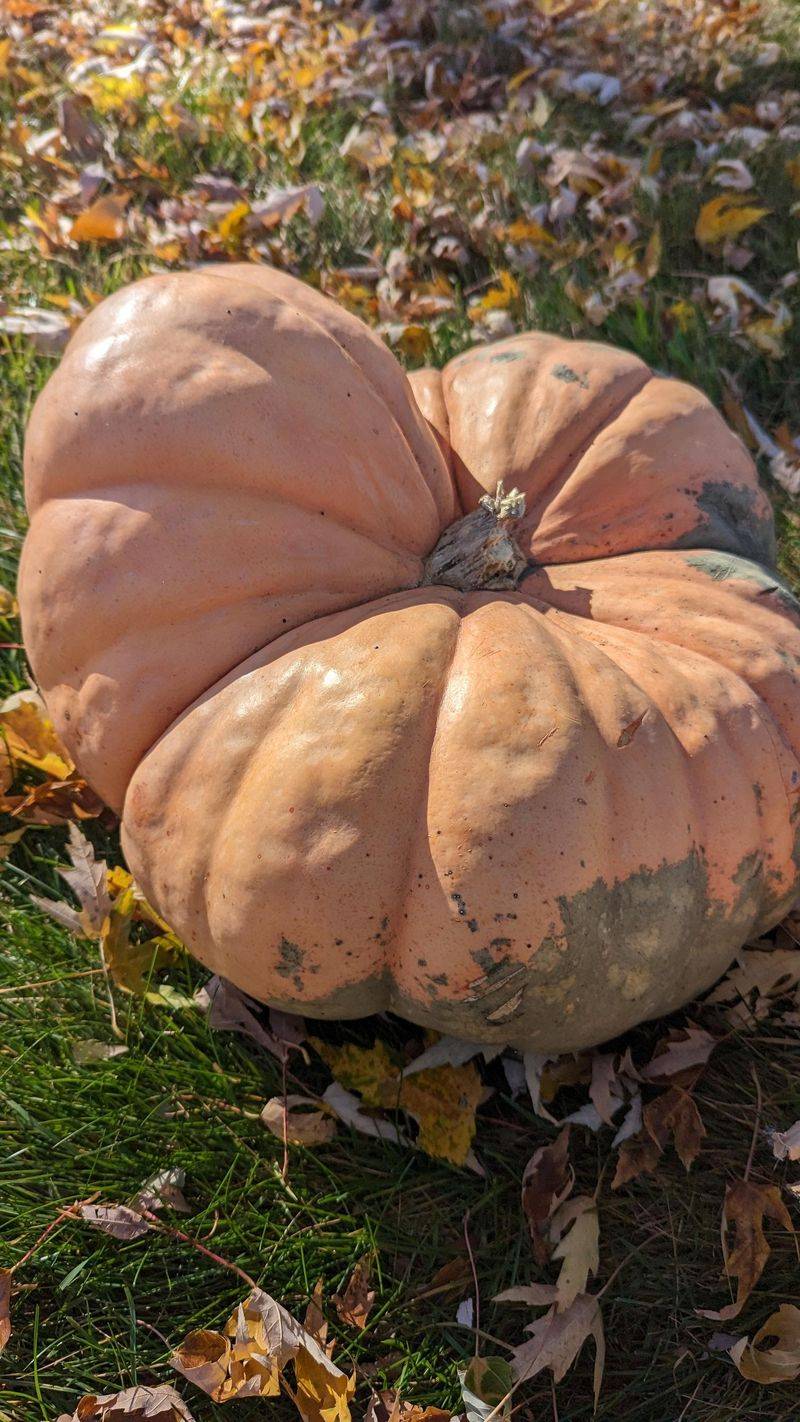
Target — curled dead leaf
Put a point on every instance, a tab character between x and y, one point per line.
284	1118
547	1181
356	1303
747	1205
135	1404
119	1221
779	1360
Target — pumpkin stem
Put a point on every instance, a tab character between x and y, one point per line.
479	551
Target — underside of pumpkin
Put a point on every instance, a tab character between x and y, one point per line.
521	766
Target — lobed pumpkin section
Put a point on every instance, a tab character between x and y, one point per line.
536	814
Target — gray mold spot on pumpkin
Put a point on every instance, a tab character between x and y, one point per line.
290	962
503	356
722	566
566	373
732	524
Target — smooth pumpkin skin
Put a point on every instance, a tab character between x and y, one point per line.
536	816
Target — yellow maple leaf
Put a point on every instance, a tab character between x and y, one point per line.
321	1395
27	737
230	226
498	297
524	229
443	1102
726	216
362	1069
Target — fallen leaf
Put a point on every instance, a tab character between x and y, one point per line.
786	1144
389	1407
746	1206
726	216
282	1117
103	221
49	330
165	1188
30	738
636	1157
547	1180
577	1250
281	204
355	1304
780	1360
605	1090
248	1357
556	1340
348	1109
89	1051
323	1393
229	1010
135	1404
447	1051
486	1385
441	1100
87	879
674	1114
677	1054
119	1221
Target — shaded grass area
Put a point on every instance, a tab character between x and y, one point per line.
94	1315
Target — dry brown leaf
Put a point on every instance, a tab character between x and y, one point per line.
547	1180
578	1250
780	1360
119	1221
6	1277
135	1404
557	1338
679	1053
674	1113
746	1206
54	802
87	879
355	1304
388	1407
636	1157
248	1357
103	221
229	1010
282	1117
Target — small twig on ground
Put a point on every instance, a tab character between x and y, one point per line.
67	1213
48	982
474	1280
756	1123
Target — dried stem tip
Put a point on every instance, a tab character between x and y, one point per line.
479	551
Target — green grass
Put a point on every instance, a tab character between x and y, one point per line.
91	1314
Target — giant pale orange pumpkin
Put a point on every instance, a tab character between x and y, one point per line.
528	783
